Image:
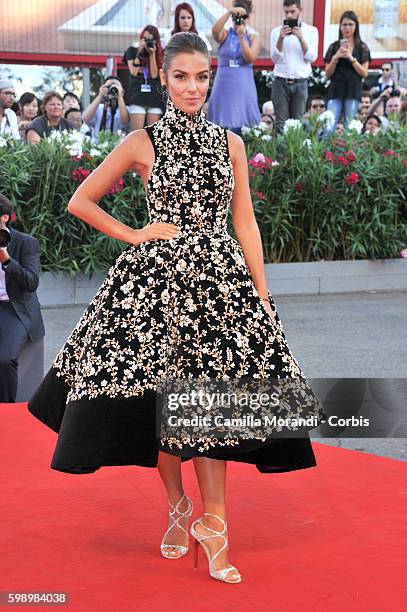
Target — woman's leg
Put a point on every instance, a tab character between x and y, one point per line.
335	105
211	475
136	121
351	108
152	118
169	468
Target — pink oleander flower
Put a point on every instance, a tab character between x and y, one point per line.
390	153
79	174
352	178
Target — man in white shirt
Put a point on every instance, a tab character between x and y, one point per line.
8	118
293	48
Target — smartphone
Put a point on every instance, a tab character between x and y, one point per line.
291	23
344	43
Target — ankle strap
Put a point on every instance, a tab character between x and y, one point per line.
224	523
175	508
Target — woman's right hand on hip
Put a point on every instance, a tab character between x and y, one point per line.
156	231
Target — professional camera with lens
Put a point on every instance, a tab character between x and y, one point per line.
150	43
5	237
112	94
396	93
238	19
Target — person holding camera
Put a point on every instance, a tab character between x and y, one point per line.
233	100
51	120
144	62
347	62
387	79
388	106
20	313
108	111
293	48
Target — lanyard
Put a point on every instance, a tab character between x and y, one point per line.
234	44
145	72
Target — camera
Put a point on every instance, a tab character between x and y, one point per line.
113	91
394	93
112	94
150	42
5	237
238	19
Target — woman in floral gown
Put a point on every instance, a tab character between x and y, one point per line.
185	302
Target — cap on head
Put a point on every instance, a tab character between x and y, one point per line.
5	83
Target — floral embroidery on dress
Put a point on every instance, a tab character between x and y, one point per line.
185	307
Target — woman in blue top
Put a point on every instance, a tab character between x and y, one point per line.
233	101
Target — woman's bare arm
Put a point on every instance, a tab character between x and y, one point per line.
250	52
135	152
219	32
33	137
244	221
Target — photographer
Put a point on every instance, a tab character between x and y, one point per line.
293	48
144	61
390	101
233	101
347	62
20	314
386	80
108	111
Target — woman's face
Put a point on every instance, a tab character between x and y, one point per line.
54	108
185	21
30	110
348	28
70	102
187	81
372	126
148	35
243	24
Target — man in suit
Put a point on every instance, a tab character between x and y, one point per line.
20	313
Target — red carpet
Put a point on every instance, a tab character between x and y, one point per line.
326	538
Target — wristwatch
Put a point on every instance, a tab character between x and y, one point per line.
354	60
6	263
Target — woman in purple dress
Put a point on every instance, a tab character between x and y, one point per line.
233	102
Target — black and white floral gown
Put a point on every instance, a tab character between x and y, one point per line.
184	307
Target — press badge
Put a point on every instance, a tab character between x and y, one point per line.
233	63
145	87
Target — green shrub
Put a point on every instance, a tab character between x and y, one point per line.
313	200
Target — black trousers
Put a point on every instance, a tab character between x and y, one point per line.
13	336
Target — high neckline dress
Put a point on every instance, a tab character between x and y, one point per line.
183	309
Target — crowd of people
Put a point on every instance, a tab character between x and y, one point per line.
233	101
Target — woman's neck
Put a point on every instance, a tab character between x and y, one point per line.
54	120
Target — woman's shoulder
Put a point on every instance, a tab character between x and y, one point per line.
130	53
364	48
333	46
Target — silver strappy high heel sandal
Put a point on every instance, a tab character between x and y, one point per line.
167	549
200	538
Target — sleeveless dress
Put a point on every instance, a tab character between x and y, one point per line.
183	308
233	100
